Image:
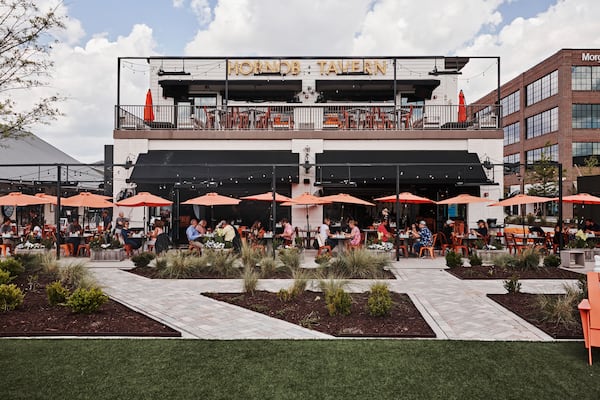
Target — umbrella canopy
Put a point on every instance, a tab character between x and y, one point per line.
212	199
581	198
148	110
19	199
346	199
306	199
45	196
86	199
144	199
462	109
521	199
464	199
405	197
268	196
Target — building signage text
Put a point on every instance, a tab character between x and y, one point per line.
590	57
294	67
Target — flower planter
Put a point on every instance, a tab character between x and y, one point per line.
487	256
107	255
31	251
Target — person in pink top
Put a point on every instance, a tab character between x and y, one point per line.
289	235
354	234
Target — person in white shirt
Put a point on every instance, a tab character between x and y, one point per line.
325	233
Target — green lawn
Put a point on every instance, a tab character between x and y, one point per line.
336	369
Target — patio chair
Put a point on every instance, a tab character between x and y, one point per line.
399	246
589	310
429	249
322	246
512	245
444	243
457	245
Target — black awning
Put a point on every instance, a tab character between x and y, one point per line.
375	89
203	166
446	167
272	89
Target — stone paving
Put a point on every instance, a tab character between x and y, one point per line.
455	309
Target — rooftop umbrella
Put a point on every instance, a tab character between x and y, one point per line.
148	110
462	109
144	199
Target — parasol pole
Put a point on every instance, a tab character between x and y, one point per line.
57	211
397	212
273	205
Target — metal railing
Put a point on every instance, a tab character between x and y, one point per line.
313	117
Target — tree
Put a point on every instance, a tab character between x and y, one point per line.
25	45
590	163
543	174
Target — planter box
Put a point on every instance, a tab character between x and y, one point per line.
107	255
574	258
31	251
487	256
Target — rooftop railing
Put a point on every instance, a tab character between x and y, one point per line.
313	117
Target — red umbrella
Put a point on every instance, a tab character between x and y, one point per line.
148	110
462	109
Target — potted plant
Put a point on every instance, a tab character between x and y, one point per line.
101	251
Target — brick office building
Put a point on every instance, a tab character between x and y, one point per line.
552	108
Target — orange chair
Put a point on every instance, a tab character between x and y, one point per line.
3	248
403	247
322	246
67	249
429	249
589	310
457	245
443	241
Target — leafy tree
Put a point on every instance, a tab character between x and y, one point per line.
543	174
25	44
590	163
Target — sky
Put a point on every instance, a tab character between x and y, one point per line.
521	32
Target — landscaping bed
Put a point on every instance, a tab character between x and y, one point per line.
35	317
308	309
525	306
480	272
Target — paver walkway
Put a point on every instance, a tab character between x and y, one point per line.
455	309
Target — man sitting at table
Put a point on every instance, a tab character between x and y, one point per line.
201	227
130	243
423	236
590	226
74	232
193	234
481	231
325	233
383	233
289	234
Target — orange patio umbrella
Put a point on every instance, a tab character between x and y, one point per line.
86	199
144	199
306	199
268	196
148	110
345	198
464	199
18	199
212	199
580	198
462	108
521	199
49	197
405	197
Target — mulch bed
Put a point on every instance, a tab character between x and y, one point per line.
480	272
152	273
35	317
524	305
309	310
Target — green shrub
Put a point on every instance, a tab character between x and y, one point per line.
506	261
562	309
12	266
10	297
268	266
475	260
250	279
49	264
512	285
453	260
143	259
30	262
284	295
178	265
552	261
5	277
75	275
380	300
57	293
300	276
323	259
338	302
250	257
290	258
359	264
86	301
223	263
529	259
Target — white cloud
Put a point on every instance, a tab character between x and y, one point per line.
202	10
178	3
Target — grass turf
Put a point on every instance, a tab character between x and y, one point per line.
336	369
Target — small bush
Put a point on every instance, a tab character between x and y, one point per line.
5	277
223	263
177	265
143	259
475	260
56	293
506	261
359	264
250	257
300	276
552	261
380	300
10	297
86	301
250	278
49	263
268	266
75	275
562	309
310	320
512	285
290	258
12	266
453	260
323	259
30	262
529	259
284	295
338	302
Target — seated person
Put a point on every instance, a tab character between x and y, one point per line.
129	242
226	230
354	234
201	227
383	233
590	226
325	233
158	229
448	231
423	236
74	232
6	231
537	230
289	234
193	235
256	232
481	231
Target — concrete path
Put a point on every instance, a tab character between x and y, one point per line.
455	309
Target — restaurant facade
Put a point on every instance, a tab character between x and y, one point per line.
363	126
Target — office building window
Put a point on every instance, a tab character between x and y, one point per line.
512	133
543	88
511	103
511	164
548	152
585	78
542	123
586	116
583	150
